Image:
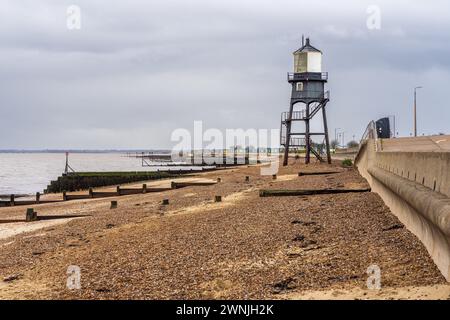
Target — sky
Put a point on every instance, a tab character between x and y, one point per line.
137	70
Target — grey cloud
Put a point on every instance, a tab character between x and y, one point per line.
139	69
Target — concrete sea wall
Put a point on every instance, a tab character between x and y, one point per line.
416	187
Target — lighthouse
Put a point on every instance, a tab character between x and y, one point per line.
308	99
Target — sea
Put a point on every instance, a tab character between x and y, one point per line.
28	173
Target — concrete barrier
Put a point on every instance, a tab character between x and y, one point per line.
416	187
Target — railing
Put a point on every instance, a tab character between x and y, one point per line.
293	142
370	133
296	115
291	76
301	114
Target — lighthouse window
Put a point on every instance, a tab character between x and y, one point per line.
299	86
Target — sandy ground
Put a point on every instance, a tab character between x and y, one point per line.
433	292
8	230
243	247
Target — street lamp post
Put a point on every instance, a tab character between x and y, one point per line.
335	133
341	138
415	110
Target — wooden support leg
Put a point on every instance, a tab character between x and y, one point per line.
288	136
327	140
307	138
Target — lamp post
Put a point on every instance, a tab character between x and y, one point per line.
415	110
335	133
341	138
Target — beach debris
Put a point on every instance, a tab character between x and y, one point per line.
284	285
177	185
305	243
312	173
304	223
299	238
12	277
393	227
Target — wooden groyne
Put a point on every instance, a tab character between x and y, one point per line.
120	191
91	194
85	180
12	201
88	180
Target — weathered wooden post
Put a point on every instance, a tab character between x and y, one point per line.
247	178
274	176
144	188
31	215
219	180
12	201
38	197
118	190
173	185
91	193
218	199
165	202
113	204
64	195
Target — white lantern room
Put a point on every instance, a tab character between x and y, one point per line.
307	59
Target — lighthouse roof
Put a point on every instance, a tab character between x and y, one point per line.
307	48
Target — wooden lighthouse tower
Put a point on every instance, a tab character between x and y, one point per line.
308	98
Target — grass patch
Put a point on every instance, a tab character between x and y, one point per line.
347	162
